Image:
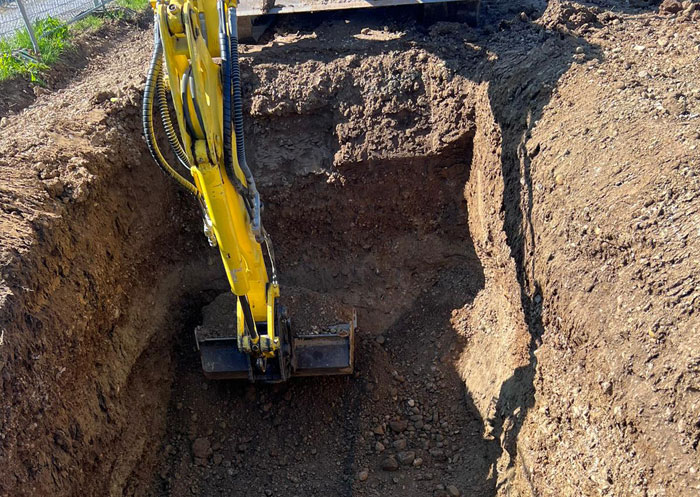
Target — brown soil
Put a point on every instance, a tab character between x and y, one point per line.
511	209
19	92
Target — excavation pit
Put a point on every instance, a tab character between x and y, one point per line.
363	179
454	186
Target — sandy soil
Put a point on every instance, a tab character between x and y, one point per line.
512	210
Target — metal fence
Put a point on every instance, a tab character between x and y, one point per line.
13	20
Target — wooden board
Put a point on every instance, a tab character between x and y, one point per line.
258	7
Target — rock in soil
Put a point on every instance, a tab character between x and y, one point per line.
390	464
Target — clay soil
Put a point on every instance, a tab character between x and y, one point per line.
512	210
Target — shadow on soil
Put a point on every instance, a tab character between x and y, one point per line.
521	77
530	57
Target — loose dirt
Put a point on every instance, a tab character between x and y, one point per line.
512	211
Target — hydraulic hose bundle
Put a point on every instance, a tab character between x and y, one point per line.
154	85
232	111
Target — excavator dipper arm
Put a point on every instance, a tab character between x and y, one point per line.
197	41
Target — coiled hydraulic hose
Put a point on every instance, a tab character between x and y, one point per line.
238	102
154	73
168	123
225	48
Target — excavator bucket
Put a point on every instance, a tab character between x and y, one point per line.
324	354
313	351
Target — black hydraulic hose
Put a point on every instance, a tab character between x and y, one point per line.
238	102
168	123
225	48
154	72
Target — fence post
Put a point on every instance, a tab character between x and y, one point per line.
28	24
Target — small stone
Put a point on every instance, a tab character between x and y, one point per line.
55	187
438	454
378	430
453	491
639	48
670	6
406	458
662	42
379	447
201	448
399	444
380	339
217	459
418	462
363	475
390	464
398	426
411	403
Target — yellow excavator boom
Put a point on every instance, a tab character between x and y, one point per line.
197	41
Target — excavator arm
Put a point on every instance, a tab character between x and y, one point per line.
197	42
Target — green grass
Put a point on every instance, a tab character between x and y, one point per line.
132	4
89	23
54	37
94	21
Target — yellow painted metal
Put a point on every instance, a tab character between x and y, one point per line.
189	59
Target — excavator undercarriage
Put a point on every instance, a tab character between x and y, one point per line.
195	69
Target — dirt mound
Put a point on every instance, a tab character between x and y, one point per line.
510	208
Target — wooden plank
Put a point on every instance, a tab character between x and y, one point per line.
255	7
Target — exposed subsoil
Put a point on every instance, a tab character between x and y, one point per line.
512	211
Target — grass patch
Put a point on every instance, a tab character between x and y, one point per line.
89	23
136	5
53	36
97	19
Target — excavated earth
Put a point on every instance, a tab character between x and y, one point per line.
512	211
